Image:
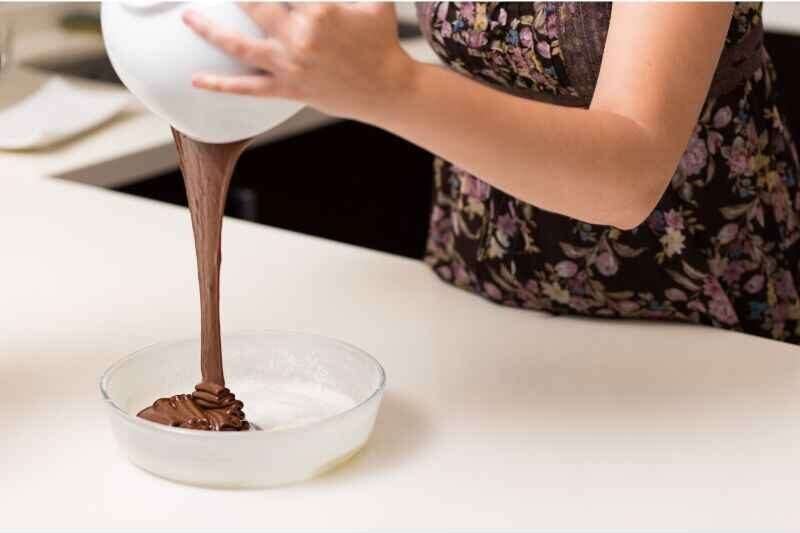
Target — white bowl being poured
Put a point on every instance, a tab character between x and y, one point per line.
155	54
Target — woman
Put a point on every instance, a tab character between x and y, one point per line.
613	161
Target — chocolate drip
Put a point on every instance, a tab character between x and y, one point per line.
207	170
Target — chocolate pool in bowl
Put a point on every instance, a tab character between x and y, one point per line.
313	401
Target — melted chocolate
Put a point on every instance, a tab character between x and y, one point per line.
210	407
207	170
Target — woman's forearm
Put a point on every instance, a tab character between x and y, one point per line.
609	164
595	166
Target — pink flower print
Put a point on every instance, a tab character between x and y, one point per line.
518	60
713	289
696	305
539	78
492	291
695	157
437	214
675	295
468	11
727	233
754	284
440	233
441	12
447	29
552	26
738	160
674	219
477	39
566	269
714	141
734	272
461	275
722	310
526	37
543	47
607	264
474	187
506	225
578	284
722	117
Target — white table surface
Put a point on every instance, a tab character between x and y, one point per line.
493	418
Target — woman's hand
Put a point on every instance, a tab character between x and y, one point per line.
344	59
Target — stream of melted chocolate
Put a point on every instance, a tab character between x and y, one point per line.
207	170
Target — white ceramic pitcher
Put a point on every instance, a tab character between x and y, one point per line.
155	55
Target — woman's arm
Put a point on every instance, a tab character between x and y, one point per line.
607	165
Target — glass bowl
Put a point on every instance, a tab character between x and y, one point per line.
312	399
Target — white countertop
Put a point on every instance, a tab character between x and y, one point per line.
782	17
493	417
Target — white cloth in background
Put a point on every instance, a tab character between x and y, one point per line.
55	112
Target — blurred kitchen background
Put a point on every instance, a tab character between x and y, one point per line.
331	178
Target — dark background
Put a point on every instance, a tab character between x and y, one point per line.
349	182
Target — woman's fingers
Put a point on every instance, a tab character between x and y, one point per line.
255	52
254	85
273	17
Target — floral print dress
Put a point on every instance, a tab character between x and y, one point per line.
722	247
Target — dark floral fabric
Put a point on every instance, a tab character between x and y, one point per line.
722	247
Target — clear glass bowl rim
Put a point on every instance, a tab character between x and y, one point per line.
239	434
